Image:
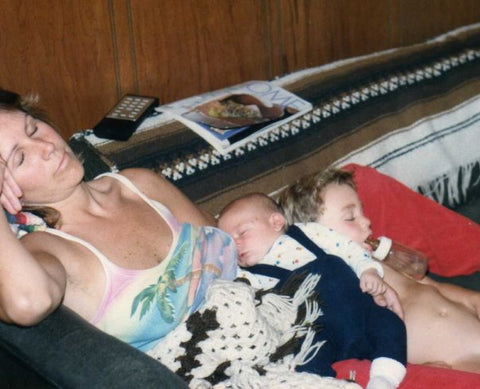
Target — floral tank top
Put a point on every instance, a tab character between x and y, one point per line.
141	306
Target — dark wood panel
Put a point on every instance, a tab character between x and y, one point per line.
415	21
63	51
124	47
82	55
187	47
311	33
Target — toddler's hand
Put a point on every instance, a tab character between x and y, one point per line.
9	190
390	300
372	283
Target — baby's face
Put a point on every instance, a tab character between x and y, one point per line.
342	211
252	231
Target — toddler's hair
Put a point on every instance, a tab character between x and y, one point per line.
302	201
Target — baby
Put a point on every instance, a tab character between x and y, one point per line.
442	320
353	325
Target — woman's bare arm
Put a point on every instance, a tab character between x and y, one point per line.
32	285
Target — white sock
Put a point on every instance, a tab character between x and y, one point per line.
386	373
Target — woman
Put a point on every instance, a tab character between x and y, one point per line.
128	252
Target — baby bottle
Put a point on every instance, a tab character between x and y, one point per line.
402	258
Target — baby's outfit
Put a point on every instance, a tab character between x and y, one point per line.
141	306
290	254
352	323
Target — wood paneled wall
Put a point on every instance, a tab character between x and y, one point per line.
81	56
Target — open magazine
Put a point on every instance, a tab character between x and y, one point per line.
231	117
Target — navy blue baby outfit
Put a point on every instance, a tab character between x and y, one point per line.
353	325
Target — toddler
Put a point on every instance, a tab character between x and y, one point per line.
442	320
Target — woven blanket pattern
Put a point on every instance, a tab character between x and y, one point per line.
356	102
243	339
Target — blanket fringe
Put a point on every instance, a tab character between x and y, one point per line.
250	344
455	187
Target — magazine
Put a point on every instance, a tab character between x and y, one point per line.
231	117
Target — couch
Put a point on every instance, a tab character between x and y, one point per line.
407	119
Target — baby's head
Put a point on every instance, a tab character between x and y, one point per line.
329	198
254	221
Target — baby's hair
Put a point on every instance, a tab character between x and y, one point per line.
302	201
12	102
261	199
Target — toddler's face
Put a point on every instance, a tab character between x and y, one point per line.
342	211
252	231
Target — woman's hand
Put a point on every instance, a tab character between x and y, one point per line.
9	190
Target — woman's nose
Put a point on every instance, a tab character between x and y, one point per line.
47	148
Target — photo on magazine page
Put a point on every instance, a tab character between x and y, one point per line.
233	116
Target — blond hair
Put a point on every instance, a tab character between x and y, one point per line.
302	201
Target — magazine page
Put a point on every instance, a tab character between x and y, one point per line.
231	117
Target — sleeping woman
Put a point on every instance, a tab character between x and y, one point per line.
128	251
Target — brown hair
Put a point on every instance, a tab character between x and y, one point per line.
11	102
302	201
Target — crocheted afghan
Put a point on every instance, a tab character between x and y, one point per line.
242	338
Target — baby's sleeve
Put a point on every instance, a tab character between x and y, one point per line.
337	244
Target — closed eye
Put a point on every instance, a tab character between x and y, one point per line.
32	126
20	158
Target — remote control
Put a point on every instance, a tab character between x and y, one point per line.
125	117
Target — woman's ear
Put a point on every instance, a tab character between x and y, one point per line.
277	221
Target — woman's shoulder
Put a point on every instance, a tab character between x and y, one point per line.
144	178
137	179
157	187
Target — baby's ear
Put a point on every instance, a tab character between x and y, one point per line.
277	221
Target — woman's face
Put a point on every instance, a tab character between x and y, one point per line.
38	159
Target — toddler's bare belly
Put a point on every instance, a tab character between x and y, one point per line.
439	330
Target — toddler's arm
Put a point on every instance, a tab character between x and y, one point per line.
337	244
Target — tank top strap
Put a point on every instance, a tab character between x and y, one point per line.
73	238
161	209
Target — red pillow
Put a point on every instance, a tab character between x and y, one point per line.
451	241
418	376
